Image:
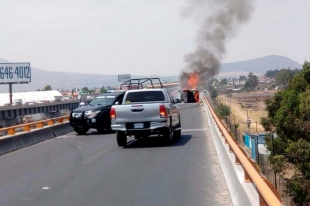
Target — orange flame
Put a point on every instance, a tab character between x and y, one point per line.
193	81
197	96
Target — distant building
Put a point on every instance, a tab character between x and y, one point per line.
27	97
266	80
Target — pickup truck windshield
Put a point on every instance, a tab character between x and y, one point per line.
102	100
145	96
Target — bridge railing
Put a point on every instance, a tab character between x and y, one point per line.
33	125
268	194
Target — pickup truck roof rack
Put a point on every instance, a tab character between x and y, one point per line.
141	83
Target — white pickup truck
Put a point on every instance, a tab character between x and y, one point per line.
145	112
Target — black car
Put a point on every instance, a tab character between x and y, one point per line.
96	114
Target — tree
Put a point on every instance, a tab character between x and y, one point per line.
213	81
289	115
213	91
85	89
271	73
222	110
251	82
47	88
284	76
103	89
274	73
242	78
223	81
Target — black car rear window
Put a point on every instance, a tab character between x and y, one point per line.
145	96
103	100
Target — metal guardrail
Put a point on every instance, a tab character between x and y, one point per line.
34	125
268	195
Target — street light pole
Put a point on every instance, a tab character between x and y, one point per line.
235	127
273	153
247	113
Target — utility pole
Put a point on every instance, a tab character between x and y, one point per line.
230	113
273	153
247	113
11	93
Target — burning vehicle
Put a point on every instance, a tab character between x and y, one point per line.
190	96
190	93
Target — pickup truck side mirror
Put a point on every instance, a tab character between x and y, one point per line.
116	103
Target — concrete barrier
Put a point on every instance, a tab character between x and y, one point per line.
231	172
25	139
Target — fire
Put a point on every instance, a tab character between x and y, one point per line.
197	96
193	81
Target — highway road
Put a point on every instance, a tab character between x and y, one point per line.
92	170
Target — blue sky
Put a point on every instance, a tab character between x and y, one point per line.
138	36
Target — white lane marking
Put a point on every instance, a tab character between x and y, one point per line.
90	159
45	188
131	142
65	136
194	130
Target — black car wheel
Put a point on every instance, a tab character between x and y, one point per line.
104	126
121	138
101	130
81	131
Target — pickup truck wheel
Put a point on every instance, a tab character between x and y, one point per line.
121	138
81	131
168	135
177	133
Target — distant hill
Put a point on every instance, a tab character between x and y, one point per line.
258	66
67	80
3	61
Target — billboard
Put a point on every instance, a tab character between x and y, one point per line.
123	77
15	73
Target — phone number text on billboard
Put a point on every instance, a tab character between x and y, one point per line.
15	72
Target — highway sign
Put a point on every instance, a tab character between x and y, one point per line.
15	73
123	77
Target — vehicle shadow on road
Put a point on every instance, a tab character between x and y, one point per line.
95	133
157	142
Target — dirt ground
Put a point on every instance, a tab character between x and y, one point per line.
247	104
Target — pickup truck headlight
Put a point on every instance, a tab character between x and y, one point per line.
91	114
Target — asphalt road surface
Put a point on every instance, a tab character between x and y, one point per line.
92	170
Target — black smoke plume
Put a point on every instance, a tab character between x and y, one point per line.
218	20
